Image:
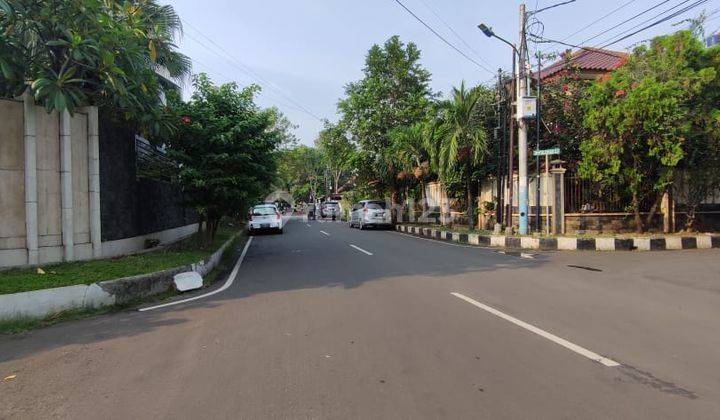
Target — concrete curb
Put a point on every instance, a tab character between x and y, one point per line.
41	303
702	241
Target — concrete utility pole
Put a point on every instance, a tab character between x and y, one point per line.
522	128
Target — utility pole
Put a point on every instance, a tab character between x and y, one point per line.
500	142
511	148
522	128
537	147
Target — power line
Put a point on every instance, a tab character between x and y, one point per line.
610	13
658	22
442	38
228	78
665	19
648	20
447	25
625	21
248	71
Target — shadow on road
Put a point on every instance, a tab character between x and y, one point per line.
301	258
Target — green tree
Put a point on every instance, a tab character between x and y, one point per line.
72	53
464	145
301	172
393	92
225	149
337	151
562	114
641	118
411	144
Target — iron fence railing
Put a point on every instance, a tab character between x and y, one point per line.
151	161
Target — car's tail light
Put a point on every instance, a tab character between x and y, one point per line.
277	215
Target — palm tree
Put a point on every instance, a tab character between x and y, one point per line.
464	143
417	146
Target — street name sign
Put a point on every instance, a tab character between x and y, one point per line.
546	152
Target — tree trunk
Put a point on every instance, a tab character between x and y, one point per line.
691	213
636	210
471	201
653	209
423	197
393	203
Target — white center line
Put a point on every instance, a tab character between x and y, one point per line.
324	233
228	283
360	249
555	339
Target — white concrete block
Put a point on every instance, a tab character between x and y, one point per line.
456	237
527	242
704	242
497	240
642	244
190	280
567	244
605	244
474	239
673	242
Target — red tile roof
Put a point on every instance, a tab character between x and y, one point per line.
587	59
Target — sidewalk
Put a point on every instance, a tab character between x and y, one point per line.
569	243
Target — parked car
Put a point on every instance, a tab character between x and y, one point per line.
330	209
368	213
265	217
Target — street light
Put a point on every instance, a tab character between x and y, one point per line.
490	34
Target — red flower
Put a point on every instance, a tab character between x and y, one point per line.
565	88
619	92
185	120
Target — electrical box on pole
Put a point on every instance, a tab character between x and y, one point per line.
528	107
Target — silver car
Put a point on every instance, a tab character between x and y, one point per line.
368	213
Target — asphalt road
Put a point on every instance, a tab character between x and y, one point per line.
313	327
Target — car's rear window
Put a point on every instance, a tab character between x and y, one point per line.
263	211
332	205
375	205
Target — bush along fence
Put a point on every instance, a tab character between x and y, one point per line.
560	243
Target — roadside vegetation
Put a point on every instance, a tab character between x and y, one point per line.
187	251
632	135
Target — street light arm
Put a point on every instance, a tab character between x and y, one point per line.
490	33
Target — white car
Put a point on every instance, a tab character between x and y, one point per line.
370	213
265	217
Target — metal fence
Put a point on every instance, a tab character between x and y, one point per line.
151	161
583	196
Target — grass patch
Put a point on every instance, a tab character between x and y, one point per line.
227	260
184	252
21	325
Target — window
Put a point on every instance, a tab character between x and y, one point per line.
375	205
263	211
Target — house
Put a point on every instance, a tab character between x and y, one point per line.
589	63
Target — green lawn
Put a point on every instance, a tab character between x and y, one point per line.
85	272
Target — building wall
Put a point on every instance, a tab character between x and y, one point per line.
12	190
130	206
131	210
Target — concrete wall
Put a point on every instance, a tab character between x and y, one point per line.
12	187
50	189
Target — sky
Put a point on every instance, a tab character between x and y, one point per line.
303	52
